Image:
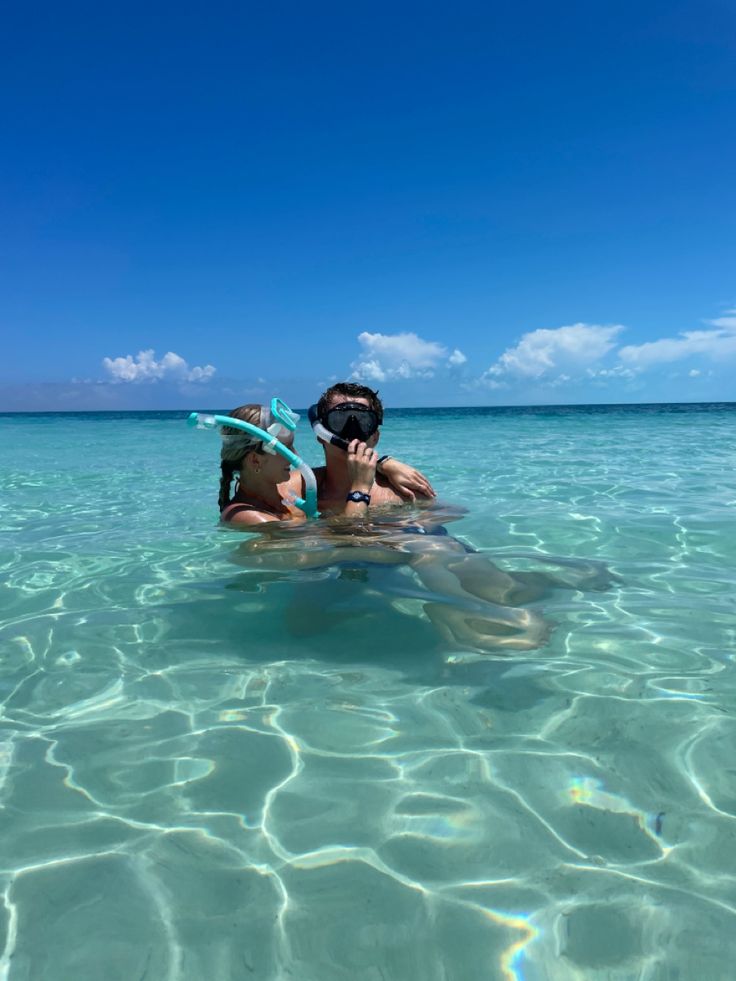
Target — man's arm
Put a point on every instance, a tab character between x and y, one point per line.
405	480
362	461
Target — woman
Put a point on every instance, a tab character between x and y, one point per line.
264	484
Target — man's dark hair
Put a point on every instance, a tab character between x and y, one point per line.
348	391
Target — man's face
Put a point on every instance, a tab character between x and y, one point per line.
337	400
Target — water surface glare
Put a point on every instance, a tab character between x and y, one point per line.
210	770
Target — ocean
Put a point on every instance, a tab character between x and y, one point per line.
215	768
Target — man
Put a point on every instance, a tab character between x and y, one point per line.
354	413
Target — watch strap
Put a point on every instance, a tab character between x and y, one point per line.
357	497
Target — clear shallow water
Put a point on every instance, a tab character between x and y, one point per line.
198	783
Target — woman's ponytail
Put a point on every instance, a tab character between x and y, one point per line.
229	469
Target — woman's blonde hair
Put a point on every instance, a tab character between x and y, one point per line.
236	445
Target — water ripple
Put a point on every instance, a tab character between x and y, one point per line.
214	771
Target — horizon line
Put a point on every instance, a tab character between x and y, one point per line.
402	408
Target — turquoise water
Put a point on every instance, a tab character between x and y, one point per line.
211	771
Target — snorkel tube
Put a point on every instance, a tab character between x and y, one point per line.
284	418
321	432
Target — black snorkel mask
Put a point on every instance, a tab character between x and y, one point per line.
351	420
344	422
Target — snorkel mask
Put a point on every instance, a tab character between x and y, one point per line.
277	419
344	422
351	420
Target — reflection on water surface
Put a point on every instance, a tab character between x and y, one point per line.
215	764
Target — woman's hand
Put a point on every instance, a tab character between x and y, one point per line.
361	466
405	480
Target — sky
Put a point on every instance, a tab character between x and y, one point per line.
457	204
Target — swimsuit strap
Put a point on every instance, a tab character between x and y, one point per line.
233	509
237	507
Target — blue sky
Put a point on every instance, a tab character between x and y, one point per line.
460	204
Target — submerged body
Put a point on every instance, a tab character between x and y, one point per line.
469	600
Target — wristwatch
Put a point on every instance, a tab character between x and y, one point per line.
358	497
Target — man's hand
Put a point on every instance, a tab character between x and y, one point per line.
405	480
361	466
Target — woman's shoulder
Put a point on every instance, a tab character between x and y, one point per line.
243	514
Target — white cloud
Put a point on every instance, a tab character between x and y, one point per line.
728	322
145	367
387	357
618	371
456	358
544	352
547	356
715	344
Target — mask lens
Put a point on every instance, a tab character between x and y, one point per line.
351	421
276	431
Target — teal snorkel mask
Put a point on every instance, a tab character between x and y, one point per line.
277	420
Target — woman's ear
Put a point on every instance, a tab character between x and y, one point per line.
372	441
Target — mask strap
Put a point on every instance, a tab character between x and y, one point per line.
264	418
274	431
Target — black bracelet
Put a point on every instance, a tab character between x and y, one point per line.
357	497
382	459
